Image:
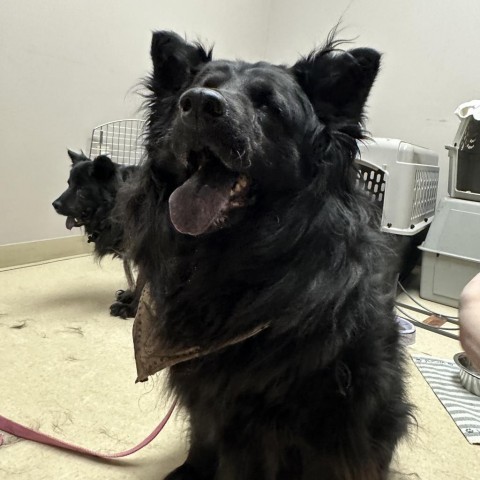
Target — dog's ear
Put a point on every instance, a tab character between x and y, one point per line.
77	157
175	61
103	168
338	82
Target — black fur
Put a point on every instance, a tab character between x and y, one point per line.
320	394
89	201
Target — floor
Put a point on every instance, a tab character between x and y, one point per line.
68	370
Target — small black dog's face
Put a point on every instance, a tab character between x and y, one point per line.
228	131
86	188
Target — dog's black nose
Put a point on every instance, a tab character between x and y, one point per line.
202	104
57	204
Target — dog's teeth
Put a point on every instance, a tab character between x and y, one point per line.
240	184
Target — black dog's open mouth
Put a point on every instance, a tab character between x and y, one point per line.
204	202
73	222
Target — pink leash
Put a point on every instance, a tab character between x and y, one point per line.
14	428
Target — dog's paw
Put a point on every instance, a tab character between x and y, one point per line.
123	310
186	472
124	296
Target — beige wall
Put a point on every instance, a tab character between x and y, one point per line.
430	59
67	66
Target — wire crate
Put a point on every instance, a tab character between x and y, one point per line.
403	180
121	140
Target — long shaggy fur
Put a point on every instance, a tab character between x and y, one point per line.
320	394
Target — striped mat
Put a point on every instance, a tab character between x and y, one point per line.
463	406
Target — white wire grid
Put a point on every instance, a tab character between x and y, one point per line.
121	140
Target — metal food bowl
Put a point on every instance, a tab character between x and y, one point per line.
469	376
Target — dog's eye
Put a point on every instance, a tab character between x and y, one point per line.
263	99
260	97
213	81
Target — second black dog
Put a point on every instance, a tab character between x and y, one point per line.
88	202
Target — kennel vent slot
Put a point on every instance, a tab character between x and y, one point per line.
373	181
425	195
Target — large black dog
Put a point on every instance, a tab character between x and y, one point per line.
89	202
246	219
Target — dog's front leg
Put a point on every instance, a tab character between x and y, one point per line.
237	466
247	461
127	300
202	460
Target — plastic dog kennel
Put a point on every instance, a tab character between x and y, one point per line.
403	179
464	154
451	251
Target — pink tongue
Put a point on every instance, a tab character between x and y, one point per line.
195	205
70	223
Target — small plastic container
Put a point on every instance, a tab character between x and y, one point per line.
407	331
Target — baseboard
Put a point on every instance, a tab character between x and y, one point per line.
32	252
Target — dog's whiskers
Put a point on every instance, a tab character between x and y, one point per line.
240	157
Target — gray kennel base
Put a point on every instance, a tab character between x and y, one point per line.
451	251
